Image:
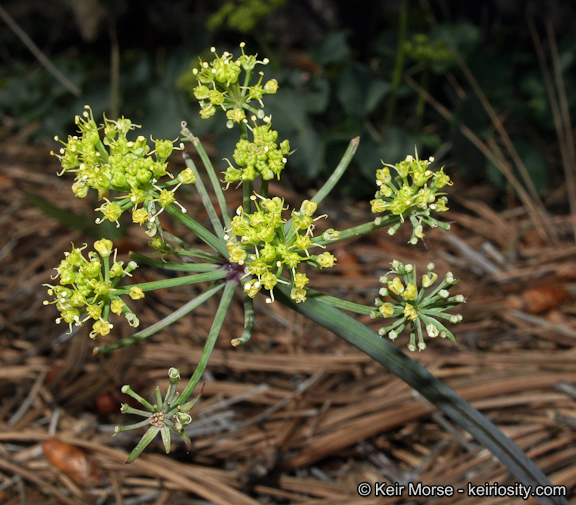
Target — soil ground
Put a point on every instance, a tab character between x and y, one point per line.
297	415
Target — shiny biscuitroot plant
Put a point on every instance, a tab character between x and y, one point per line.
261	248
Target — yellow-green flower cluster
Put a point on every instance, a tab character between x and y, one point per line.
411	306
412	193
261	157
219	86
87	288
114	163
267	247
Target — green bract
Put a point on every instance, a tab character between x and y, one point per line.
411	306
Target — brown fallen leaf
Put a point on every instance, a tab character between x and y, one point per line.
73	462
538	300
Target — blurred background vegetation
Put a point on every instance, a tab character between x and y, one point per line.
487	88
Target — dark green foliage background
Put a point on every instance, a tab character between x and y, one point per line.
335	67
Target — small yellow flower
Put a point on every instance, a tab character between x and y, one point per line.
396	286
410	312
139	216
94	311
298	295
300	280
236	115
104	247
187	176
326	260
410	292
100	328
116	306
252	288
308	208
269	280
271	86
136	293
378	206
386	309
237	254
207	111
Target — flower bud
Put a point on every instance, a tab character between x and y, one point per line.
331	234
236	115
136	293
308	207
207	111
410	312
396	286
411	292
386	310
164	148
187	176
174	375
271	86
326	260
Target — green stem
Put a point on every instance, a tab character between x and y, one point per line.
203	234
248	322
338	172
425	383
178	267
160	325
225	301
356	231
264	189
206	201
215	275
213	179
398	68
188	250
342	304
247	193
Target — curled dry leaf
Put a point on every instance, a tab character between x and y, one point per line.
73	462
538	300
